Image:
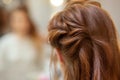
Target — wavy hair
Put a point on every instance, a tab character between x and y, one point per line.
86	37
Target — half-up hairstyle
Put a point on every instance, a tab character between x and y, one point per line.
86	37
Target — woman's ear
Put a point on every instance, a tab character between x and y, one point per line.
59	55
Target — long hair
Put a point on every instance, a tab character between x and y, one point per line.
3	15
86	37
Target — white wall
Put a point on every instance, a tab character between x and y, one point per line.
113	7
40	11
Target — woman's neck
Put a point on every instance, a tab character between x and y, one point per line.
20	34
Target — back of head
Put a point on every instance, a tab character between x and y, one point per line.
86	37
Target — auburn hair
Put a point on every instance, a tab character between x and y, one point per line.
86	37
3	21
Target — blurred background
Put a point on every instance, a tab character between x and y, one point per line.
24	50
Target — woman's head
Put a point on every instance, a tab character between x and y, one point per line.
85	39
20	21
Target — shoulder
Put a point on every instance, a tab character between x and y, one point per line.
7	38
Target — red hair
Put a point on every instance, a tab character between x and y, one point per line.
86	36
